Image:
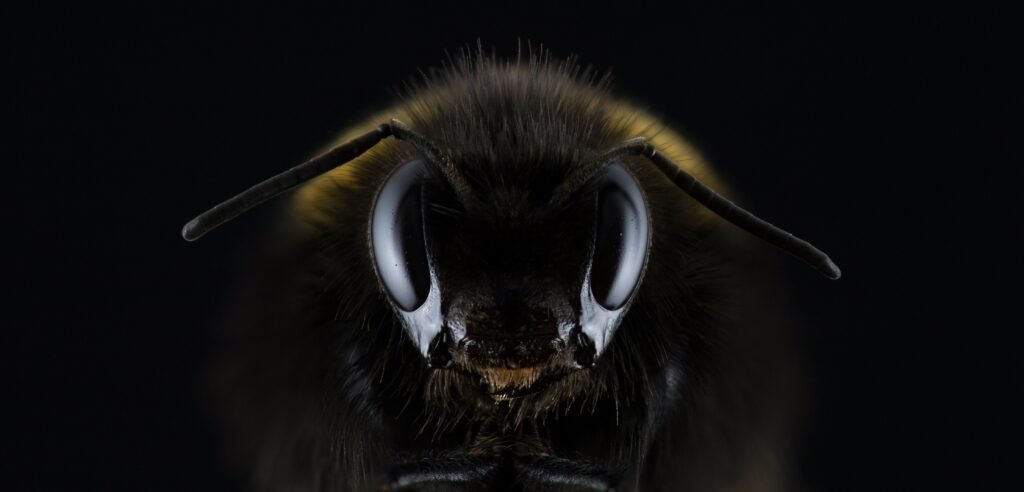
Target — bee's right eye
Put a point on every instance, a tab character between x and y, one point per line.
397	238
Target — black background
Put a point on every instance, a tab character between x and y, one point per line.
887	136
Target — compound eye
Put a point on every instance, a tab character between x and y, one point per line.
620	241
397	237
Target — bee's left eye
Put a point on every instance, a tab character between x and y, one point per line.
398	242
620	242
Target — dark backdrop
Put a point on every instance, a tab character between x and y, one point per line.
886	136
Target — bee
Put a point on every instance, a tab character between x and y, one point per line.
510	279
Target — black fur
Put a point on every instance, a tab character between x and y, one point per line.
322	390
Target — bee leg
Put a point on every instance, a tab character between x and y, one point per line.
546	473
443	473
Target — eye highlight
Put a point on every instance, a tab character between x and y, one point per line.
398	240
620	240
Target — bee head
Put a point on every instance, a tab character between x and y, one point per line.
503	281
516	276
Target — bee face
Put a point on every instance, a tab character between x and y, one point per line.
513	288
504	236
